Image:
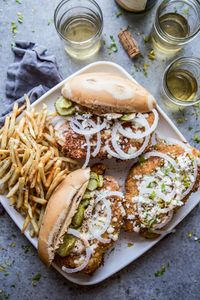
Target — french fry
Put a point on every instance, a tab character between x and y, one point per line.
13	119
33	123
8	175
13	190
14	177
28	105
26	167
26	223
38	200
54	184
35	226
26	156
5	133
21	192
42	175
5	166
26	195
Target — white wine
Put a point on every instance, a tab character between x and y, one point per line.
136	6
174	25
182	85
80	30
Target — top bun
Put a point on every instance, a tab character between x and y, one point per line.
60	209
107	93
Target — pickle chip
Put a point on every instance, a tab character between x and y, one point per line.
64	107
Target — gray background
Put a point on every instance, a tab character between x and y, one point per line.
179	252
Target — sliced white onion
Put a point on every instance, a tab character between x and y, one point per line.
98	145
162	224
88	250
142	120
98	232
87	138
77	127
101	197
57	119
188	190
120	152
111	152
161	155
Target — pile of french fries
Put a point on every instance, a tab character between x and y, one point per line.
31	166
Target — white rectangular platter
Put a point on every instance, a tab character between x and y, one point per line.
121	255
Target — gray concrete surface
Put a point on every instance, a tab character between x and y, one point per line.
178	252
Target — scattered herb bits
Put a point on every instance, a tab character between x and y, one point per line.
113	46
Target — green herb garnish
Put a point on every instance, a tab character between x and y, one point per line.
36	278
18	1
181	120
196	138
190	128
163	187
152	55
161	271
152	195
20	17
130	245
120	13
113	46
14	28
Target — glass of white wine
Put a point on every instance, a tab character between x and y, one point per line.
181	81
79	24
177	22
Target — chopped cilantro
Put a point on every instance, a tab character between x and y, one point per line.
14	28
20	17
120	13
181	120
149	185
163	187
190	128
13	244
50	22
141	159
36	278
26	248
130	245
146	39
152	195
113	46
161	271
144	69
196	138
151	55
18	1
190	234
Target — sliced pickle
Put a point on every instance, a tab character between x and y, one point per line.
67	245
128	117
64	107
100	181
92	185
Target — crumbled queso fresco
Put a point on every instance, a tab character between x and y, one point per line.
161	191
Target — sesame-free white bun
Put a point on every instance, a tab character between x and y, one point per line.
107	93
59	212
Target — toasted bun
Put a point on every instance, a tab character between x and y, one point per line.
107	93
59	212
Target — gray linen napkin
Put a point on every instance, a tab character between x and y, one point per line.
33	72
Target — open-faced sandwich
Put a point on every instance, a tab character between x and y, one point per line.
82	220
103	115
158	185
